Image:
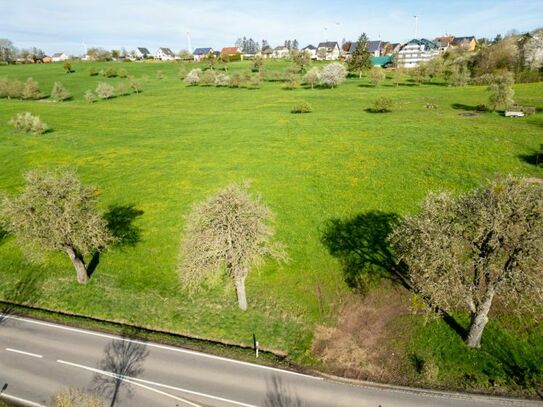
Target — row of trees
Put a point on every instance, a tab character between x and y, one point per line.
30	90
458	252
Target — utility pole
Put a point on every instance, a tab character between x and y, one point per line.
416	26
325	33
337	33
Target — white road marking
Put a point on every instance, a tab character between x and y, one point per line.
35	355
165	347
137	381
20	400
130	380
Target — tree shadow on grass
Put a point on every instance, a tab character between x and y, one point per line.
362	247
120	222
123	359
536	158
25	291
278	394
3	235
521	361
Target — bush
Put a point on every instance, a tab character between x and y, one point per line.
383	105
110	73
222	79
123	89
104	91
255	81
90	96
181	73
11	89
376	75
93	71
59	92
123	73
160	75
31	90
193	78
68	67
312	77
208	78
26	123
291	80
134	85
235	81
302	107
333	74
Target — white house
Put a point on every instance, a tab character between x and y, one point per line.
311	50
328	51
416	51
280	52
165	54
201	53
141	53
59	57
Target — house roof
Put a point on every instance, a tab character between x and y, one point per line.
144	51
329	45
423	41
309	47
267	50
281	48
167	51
57	54
230	50
459	40
202	51
375	45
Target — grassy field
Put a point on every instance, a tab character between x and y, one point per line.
160	151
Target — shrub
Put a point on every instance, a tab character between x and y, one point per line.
383	105
193	78
501	90
333	74
181	73
68	67
26	123
302	107
312	77
235	81
123	89
255	81
208	78
11	89
222	79
123	73
160	75
377	75
31	90
90	96
104	91
134	85
59	92
291	80
93	71
110	73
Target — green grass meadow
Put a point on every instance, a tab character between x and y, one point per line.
173	145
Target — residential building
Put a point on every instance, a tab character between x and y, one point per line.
394	48
464	43
59	57
232	53
416	51
165	54
267	53
444	42
201	53
141	53
328	51
280	52
311	50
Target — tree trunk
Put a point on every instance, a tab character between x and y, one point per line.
240	291
479	318
79	265
359	74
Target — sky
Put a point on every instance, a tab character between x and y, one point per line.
70	25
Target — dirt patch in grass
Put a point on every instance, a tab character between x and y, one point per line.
361	345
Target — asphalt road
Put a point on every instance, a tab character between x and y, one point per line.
38	359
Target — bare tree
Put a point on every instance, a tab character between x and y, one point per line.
229	232
377	75
57	212
312	77
464	252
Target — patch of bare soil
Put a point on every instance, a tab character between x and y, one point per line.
361	345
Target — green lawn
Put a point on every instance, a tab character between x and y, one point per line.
172	145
